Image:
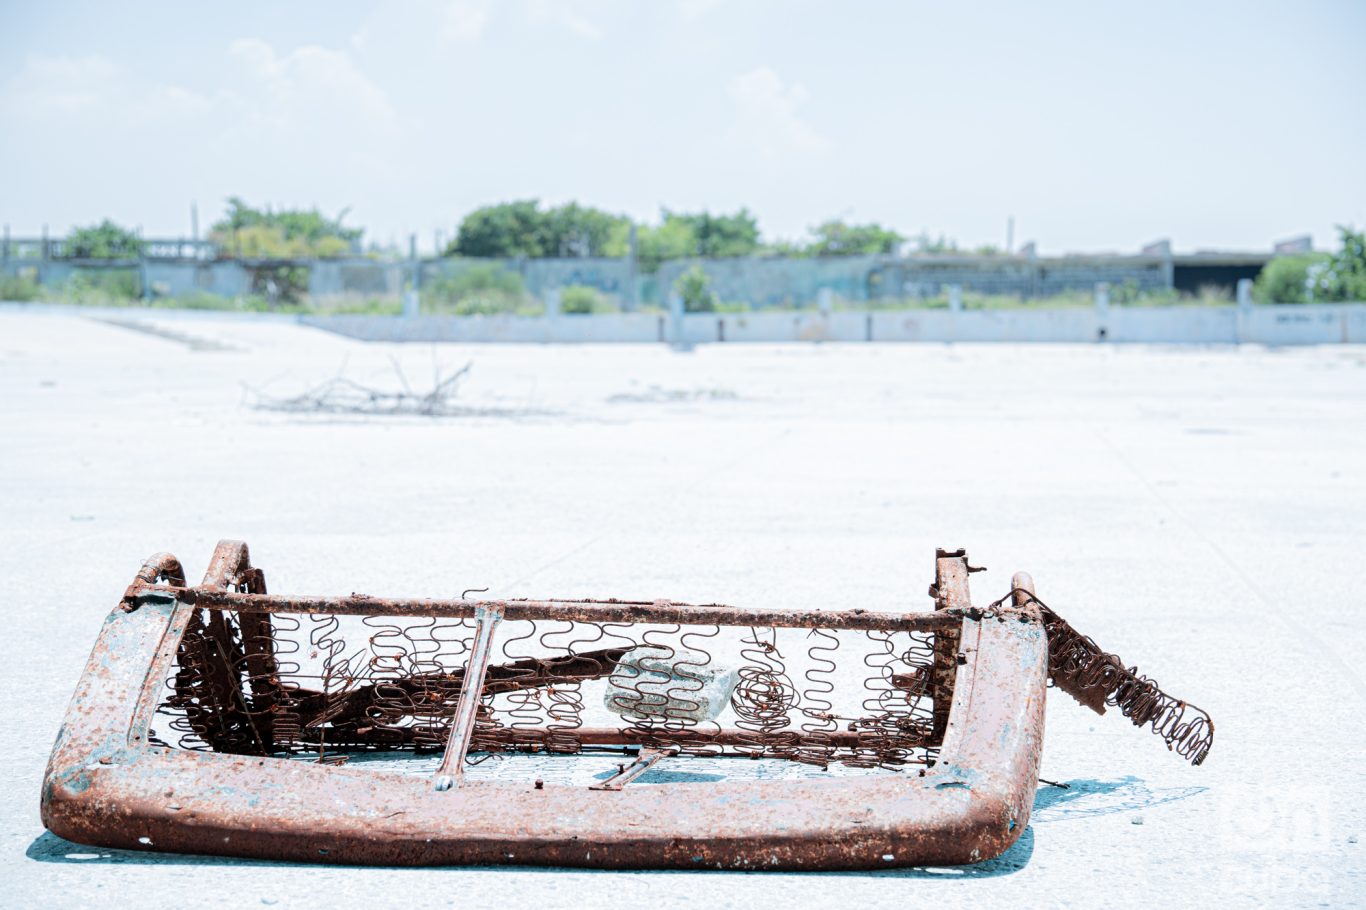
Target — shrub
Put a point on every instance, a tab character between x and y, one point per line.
105	240
695	288
480	290
19	287
1213	294
365	306
280	284
578	299
103	287
251	233
1288	279
196	300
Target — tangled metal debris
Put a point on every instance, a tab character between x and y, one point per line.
222	719
340	395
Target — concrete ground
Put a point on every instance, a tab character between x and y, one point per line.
1201	511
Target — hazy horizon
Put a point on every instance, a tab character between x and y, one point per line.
1225	126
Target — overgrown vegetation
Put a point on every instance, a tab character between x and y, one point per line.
19	287
246	232
581	300
835	238
479	290
701	235
525	229
105	287
1286	279
1344	278
105	240
280	284
694	287
1317	277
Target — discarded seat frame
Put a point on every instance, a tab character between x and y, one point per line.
276	711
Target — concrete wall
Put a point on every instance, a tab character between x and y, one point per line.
1306	324
1287	324
776	282
760	283
613	277
163	278
796	282
610	327
361	277
174	279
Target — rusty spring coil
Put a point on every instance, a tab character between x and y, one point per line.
1096	678
326	684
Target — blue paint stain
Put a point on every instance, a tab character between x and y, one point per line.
77	782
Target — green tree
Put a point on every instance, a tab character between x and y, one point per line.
786	249
252	233
1343	276
924	243
698	235
1287	279
523	228
671	239
504	230
836	238
573	230
721	236
105	240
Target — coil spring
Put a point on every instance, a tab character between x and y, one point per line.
764	696
525	729
897	720
330	683
815	704
1076	663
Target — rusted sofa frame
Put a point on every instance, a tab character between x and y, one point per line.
109	784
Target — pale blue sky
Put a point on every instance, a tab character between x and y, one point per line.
1097	125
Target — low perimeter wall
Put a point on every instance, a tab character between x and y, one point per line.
1280	324
1276	325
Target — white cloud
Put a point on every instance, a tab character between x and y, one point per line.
696	9
768	120
268	105
310	81
93	87
561	14
463	21
69	84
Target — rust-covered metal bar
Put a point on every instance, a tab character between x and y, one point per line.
951	594
452	770
582	610
644	761
222	719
